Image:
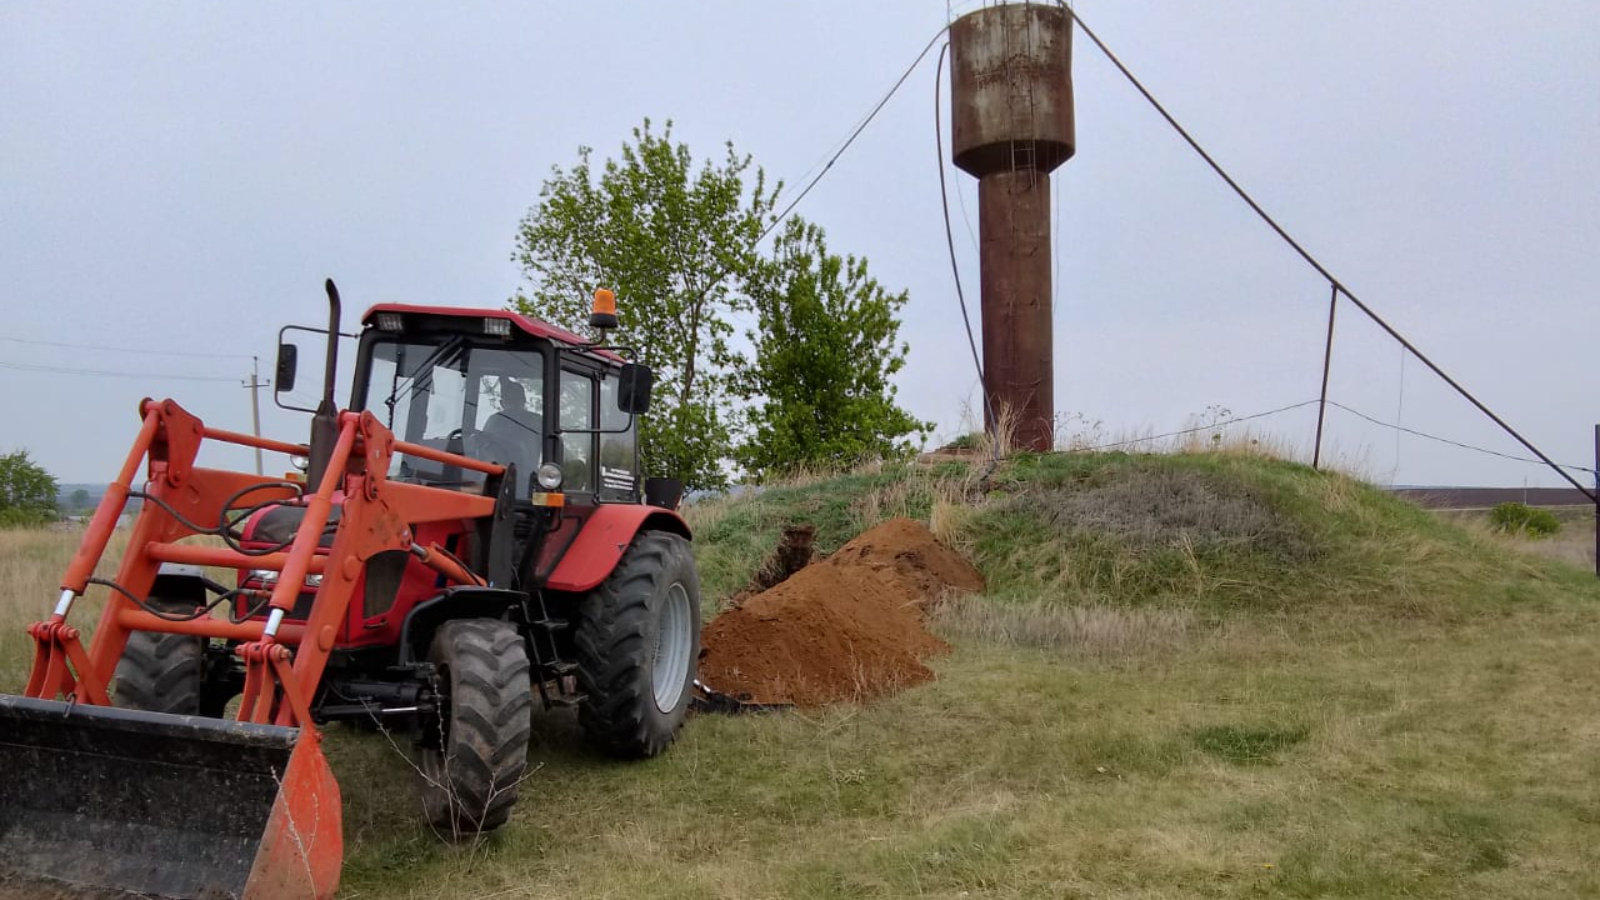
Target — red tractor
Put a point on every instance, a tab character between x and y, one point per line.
472	536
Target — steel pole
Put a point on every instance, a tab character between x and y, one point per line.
255	405
1327	364
1597	500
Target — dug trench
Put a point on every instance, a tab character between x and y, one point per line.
849	627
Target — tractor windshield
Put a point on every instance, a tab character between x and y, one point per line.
482	402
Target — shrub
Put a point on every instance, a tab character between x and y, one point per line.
31	517
1520	518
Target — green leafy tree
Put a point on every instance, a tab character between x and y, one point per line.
27	491
824	351
666	236
80	499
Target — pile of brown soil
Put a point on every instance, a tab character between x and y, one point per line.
847	628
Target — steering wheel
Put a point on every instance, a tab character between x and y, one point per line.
492	448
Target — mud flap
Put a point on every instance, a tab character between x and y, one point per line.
162	805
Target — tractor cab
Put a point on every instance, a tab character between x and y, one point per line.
497	386
558	413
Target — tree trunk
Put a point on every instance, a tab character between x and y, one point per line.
693	352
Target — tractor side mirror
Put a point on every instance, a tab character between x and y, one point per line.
633	389
288	360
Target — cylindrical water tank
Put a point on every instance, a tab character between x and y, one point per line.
1011	88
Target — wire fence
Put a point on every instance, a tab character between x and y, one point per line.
1337	288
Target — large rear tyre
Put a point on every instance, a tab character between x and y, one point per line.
638	641
161	672
475	753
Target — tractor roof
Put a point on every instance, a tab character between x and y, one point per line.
530	326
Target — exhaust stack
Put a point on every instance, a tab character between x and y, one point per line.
325	421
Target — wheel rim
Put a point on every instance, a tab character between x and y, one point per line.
674	638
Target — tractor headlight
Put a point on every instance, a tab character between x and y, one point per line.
548	476
269	577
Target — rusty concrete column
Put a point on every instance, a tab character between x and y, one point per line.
1011	116
1014	242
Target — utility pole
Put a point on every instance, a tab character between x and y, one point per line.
254	385
1327	365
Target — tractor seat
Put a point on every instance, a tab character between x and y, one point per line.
517	431
279	523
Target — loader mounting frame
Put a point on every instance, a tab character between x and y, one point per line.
299	852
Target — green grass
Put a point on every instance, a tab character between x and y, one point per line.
1248	744
1019	774
1197	675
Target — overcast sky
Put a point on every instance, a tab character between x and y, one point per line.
181	177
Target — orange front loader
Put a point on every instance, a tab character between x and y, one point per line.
473	538
187	806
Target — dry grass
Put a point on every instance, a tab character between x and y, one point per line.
705	514
1165	506
32	562
890	501
1095	633
1404	712
950	515
1572	545
1238	439
998	443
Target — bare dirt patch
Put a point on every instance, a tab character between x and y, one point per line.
847	628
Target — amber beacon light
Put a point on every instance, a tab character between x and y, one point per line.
604	314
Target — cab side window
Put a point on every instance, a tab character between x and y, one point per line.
619	456
577	450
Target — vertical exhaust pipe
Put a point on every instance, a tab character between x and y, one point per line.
325	421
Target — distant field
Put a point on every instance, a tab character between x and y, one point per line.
1200	675
1485	497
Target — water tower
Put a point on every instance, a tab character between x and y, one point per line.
1011	126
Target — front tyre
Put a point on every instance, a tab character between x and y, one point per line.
161	672
638	641
476	751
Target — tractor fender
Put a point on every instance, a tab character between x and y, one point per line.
605	536
416	633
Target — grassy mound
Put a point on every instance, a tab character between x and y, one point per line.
1193	675
1207	533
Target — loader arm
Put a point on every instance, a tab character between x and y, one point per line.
188	806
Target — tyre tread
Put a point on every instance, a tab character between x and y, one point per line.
611	642
491	725
159	673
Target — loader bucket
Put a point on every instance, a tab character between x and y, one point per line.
96	800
